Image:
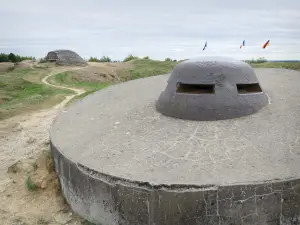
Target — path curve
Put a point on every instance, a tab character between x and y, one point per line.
69	97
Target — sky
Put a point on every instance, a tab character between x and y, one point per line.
157	28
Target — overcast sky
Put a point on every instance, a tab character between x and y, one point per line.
157	28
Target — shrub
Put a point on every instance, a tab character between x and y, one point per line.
130	57
104	59
4	57
12	58
258	60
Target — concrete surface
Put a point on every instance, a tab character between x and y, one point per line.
122	162
211	88
65	57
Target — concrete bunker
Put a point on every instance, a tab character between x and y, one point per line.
65	57
211	89
120	161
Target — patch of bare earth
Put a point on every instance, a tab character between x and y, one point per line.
6	66
29	189
100	72
34	195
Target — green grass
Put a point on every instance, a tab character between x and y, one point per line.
29	185
141	68
18	94
66	79
285	65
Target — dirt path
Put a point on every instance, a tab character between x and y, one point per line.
68	98
21	139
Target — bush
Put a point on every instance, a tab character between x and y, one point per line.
93	59
168	60
4	57
103	59
258	60
14	58
130	57
146	57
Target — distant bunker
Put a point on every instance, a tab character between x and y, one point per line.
213	143
65	58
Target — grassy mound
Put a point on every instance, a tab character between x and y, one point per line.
18	95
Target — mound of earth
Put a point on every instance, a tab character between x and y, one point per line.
65	58
34	195
6	66
101	72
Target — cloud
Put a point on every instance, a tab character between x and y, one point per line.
159	29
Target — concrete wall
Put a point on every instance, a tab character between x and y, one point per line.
51	56
106	200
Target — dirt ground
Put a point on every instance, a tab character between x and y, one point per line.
100	72
29	189
4	67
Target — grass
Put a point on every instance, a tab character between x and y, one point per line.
66	79
139	68
21	91
29	185
285	65
42	220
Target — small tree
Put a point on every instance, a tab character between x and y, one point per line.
105	59
93	59
130	57
4	57
146	57
12	58
168	60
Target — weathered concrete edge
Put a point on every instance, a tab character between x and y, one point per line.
107	200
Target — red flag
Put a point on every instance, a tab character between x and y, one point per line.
266	44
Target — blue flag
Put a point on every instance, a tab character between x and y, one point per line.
205	46
243	44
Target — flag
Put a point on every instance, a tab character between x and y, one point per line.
243	44
205	46
266	44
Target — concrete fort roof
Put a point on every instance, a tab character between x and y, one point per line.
117	131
